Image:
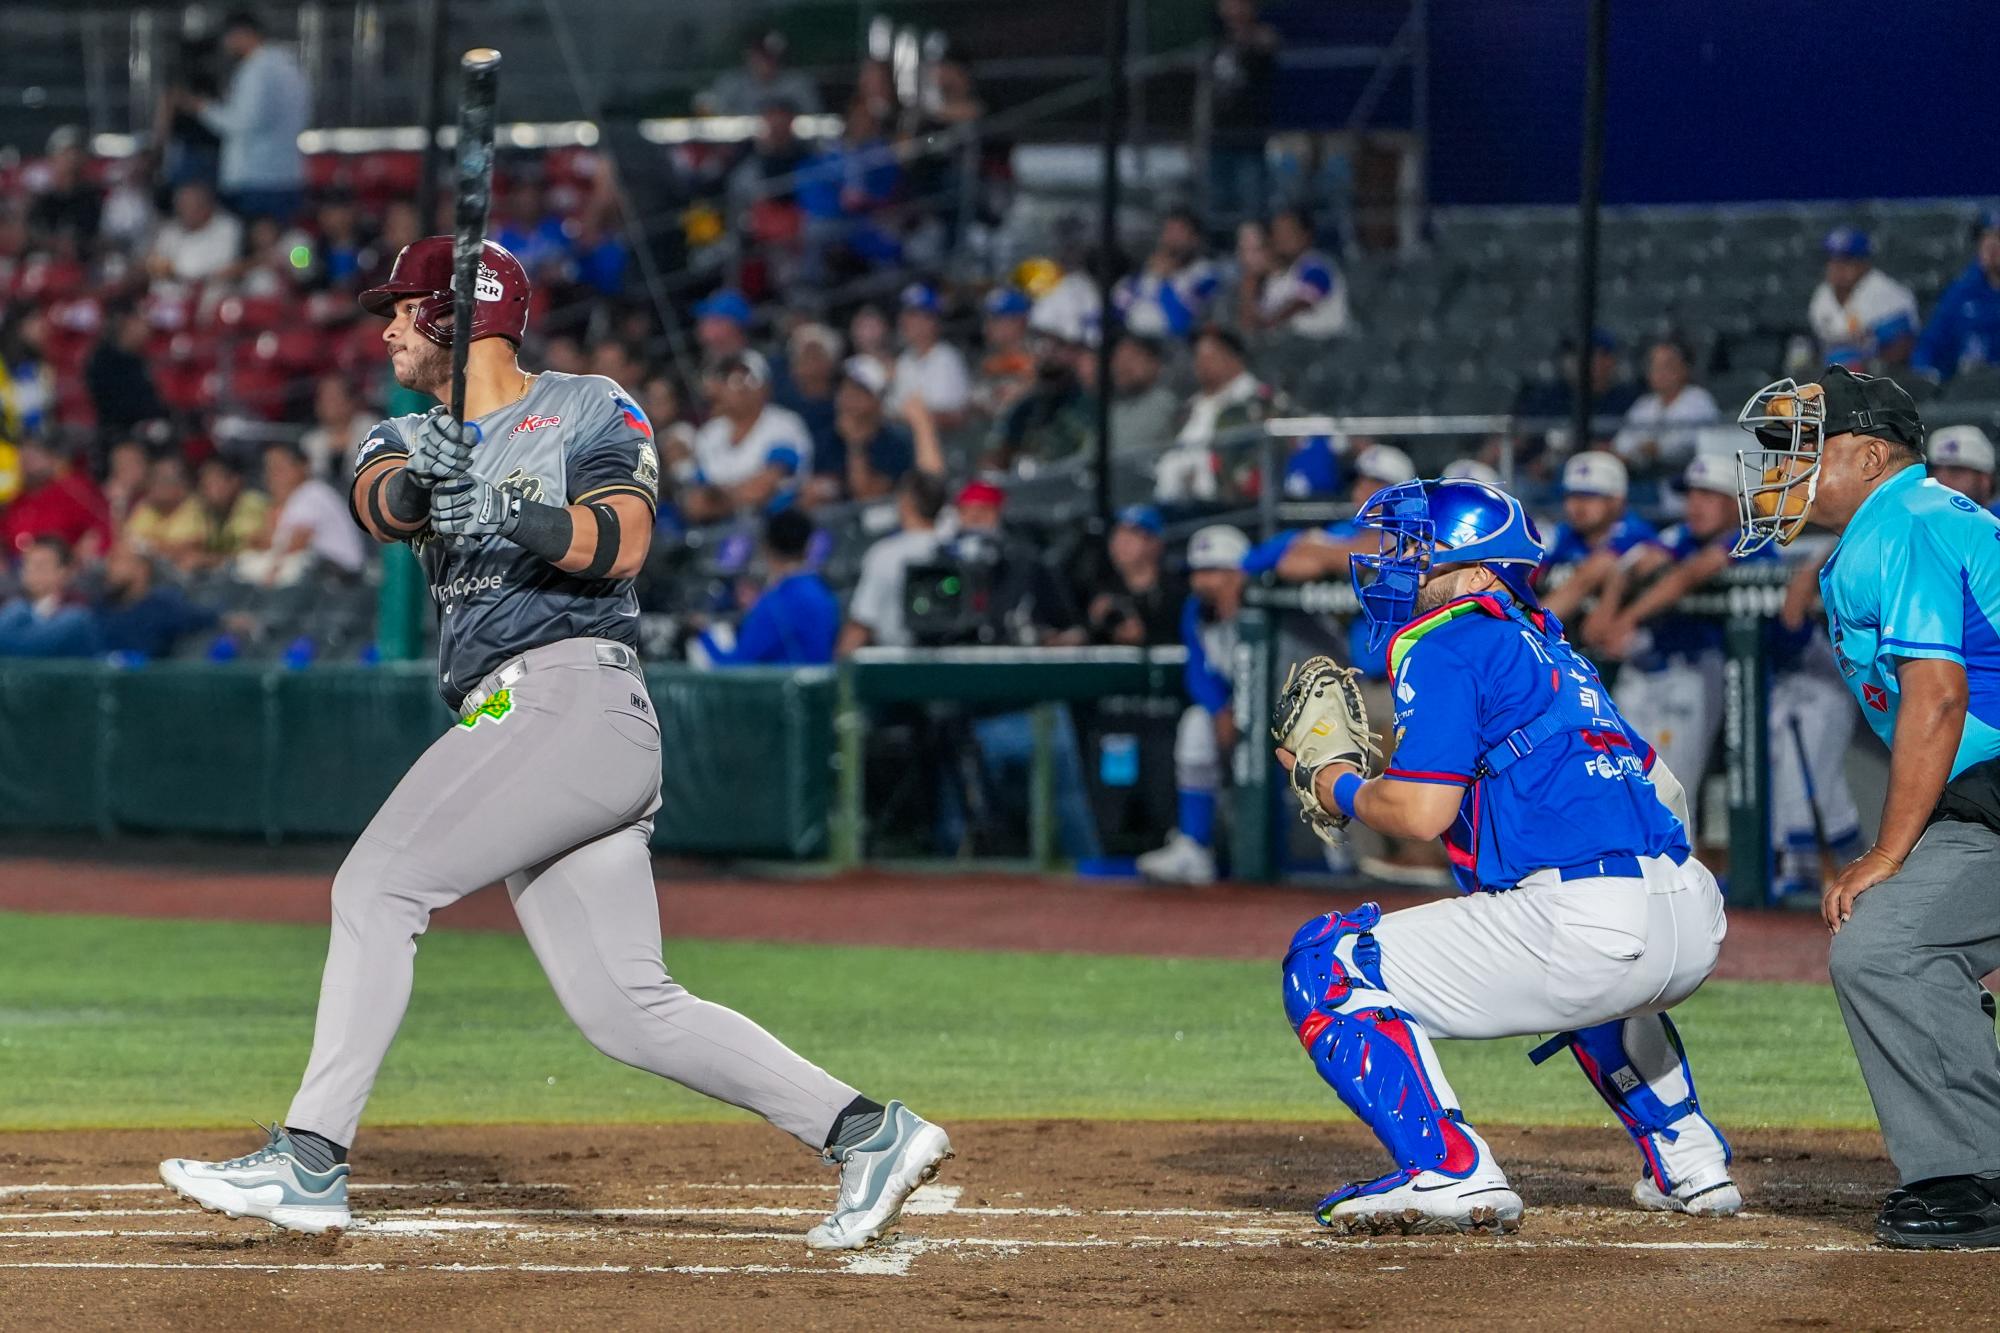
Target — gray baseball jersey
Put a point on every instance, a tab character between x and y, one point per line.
569	440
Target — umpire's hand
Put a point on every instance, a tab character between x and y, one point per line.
469	507
442	449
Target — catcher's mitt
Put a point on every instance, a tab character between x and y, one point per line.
1320	718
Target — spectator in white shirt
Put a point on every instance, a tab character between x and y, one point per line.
200	242
1860	315
1292	287
1664	428
309	525
749	455
339	423
267	107
875	612
929	368
1228	400
1961	457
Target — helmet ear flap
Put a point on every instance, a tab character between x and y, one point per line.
433	318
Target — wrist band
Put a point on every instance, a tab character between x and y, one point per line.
1345	788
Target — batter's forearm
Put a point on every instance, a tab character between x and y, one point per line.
390	505
607	539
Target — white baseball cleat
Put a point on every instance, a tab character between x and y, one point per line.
1419	1202
1181	861
1711	1197
877	1176
268	1184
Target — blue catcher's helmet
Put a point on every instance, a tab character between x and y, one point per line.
1426	525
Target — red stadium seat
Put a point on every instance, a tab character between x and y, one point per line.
254	314
303	350
46	280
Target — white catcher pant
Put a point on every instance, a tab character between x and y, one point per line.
1678	708
1552	956
1197	758
1825	718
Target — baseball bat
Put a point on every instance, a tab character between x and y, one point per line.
479	77
1827	869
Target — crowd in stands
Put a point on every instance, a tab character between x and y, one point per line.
184	375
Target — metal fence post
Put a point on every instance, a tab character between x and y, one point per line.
1746	755
1042	787
1253	855
850	725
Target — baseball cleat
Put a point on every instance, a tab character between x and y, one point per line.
268	1184
1716	1198
1181	861
877	1176
1421	1202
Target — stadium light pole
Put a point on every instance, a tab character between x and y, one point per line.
1590	195
1107	246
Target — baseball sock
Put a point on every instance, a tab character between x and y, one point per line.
855	1125
1197	815
315	1152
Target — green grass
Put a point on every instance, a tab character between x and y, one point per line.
112	1022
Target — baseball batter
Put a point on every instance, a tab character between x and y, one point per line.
531	519
1583	913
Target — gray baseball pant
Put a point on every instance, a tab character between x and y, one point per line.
550	782
1906	966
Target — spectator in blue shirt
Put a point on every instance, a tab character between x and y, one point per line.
1596	532
45	621
1170	297
795	620
1964	330
139	617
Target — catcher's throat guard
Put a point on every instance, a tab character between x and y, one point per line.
1427	525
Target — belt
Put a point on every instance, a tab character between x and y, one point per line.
509	673
1608	867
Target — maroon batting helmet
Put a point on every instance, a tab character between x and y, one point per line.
500	309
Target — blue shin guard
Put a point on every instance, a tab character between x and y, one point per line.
1640	1069
1373	1054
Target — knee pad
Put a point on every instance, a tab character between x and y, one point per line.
1374	1055
1650	1091
1197	759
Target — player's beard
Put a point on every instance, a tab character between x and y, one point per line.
424	366
1437	590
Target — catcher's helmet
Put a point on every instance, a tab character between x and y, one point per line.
1431	524
500	307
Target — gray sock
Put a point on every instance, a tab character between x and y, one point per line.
315	1152
857	1122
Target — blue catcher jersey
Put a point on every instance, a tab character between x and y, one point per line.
1917	575
1489	697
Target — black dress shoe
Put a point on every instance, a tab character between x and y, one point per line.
1948	1213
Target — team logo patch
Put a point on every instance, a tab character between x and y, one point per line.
647	471
487	287
1875	697
633	416
496	707
532	423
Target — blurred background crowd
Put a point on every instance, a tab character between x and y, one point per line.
861	307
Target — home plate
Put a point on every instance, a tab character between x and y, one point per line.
932	1200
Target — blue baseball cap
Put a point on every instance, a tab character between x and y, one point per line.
1988	221
1144	517
725	304
1008	301
1848	243
917	296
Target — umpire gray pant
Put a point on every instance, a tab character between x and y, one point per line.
1906	967
549	781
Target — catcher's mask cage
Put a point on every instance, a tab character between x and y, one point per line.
1467	522
1789	421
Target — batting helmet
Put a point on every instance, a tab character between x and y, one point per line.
500	305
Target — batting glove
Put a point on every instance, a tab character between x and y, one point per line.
469	507
442	448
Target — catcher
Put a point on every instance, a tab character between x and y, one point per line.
1583	913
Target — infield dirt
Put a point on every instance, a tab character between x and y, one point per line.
1062	1224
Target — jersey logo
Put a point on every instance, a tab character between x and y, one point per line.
488	287
523	484
633	416
1875	697
531	423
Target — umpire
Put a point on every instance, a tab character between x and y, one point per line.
1911	592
